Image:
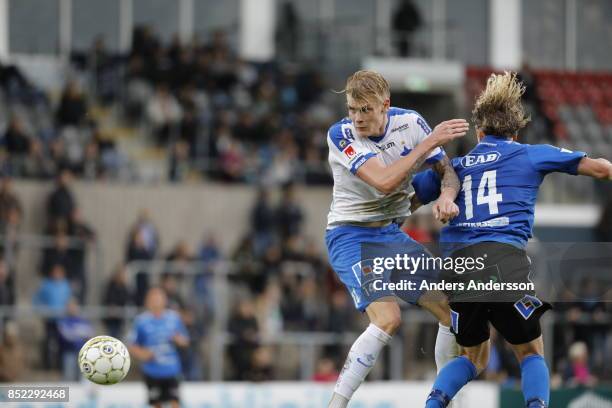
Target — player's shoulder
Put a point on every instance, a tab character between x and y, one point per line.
170	314
143	318
402	119
341	133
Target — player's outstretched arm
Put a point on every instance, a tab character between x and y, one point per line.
596	168
141	353
388	179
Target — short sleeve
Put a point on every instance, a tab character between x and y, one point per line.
135	336
344	150
548	159
423	131
426	186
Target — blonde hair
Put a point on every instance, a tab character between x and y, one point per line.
498	109
367	86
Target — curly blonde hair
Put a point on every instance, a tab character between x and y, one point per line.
367	86
498	109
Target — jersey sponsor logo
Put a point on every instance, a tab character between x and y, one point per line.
495	222
472	160
349	152
405	152
342	143
386	146
400	128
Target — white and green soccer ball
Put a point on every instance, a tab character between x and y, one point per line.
104	360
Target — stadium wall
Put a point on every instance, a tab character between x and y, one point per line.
181	212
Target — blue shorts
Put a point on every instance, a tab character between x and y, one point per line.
352	251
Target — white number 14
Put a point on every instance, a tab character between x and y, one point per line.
489	182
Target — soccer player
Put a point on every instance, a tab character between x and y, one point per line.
373	154
154	339
500	180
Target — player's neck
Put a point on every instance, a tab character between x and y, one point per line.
381	130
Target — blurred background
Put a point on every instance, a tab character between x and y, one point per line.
182	143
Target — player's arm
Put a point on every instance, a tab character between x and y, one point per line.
445	208
387	179
547	159
135	345
597	168
181	336
140	353
426	185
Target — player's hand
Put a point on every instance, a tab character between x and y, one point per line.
445	209
449	130
180	340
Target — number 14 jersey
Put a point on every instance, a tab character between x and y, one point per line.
499	187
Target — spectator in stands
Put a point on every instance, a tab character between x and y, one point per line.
16	138
405	21
52	297
243	327
72	110
38	164
10	222
169	283
142	246
288	32
7	287
83	236
578	372
58	254
263	221
209	254
12	355
116	297
165	114
61	202
261	368
180	164
289	215
325	371
74	330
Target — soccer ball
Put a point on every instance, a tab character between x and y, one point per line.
104	360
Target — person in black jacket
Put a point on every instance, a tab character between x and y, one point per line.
116	297
404	23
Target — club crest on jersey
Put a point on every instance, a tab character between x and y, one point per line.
349	152
480	158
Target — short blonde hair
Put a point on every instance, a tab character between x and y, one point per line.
367	86
498	109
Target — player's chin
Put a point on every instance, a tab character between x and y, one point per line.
361	132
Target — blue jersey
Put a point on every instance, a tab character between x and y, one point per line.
155	334
499	187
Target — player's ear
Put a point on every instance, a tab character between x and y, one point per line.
386	105
480	134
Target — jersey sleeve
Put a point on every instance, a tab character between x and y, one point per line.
548	159
423	131
426	186
136	335
344	150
